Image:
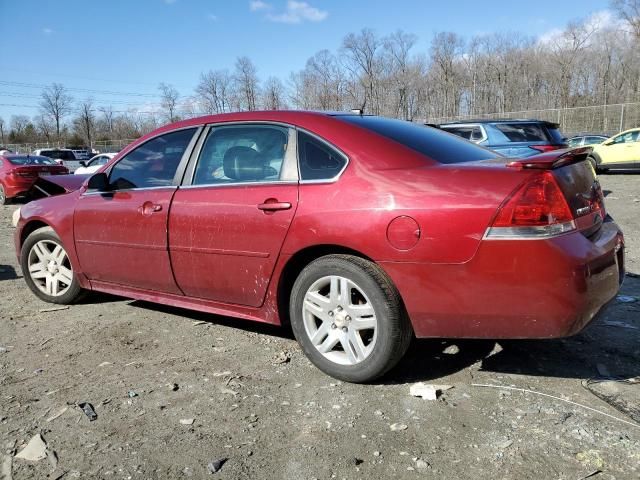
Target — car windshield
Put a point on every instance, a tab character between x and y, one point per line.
32	160
431	142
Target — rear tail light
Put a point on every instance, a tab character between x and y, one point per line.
536	209
19	173
545	148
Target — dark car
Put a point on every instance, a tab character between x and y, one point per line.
359	231
511	138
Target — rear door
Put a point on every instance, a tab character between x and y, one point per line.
228	223
121	234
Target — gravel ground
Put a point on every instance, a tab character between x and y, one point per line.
176	390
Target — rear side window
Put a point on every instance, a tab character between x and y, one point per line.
523	132
431	142
472	133
317	160
152	164
242	153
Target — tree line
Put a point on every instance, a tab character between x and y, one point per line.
593	61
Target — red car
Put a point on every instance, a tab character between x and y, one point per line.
18	173
359	231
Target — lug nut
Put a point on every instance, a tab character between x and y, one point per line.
344	329
331	313
339	308
347	318
333	325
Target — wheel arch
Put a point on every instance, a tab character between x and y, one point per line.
31	227
296	264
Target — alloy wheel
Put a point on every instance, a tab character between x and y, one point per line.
339	320
50	268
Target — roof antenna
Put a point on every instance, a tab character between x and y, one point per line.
358	111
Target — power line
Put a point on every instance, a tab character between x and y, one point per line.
83	90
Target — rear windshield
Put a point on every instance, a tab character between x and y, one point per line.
59	154
431	142
523	132
31	160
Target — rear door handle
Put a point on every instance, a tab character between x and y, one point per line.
271	205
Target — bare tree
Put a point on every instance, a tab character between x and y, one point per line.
274	94
630	11
213	91
362	60
169	97
246	81
86	120
57	104
397	47
1	130
44	127
107	114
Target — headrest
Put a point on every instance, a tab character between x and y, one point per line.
243	163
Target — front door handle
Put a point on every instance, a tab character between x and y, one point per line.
147	208
272	204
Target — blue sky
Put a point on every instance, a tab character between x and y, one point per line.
131	46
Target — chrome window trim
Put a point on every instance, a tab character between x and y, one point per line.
287	159
238	184
141	189
333	179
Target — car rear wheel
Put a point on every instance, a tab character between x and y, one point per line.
348	318
3	196
47	268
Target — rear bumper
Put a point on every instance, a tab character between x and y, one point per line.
515	289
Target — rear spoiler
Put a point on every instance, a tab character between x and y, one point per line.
552	160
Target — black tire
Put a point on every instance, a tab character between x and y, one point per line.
73	291
393	330
3	196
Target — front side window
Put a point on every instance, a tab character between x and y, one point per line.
242	153
152	164
317	160
626	137
574	142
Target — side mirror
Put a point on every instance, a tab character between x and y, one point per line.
83	163
99	182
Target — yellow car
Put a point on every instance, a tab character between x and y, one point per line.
620	151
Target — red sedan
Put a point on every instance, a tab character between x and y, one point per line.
18	173
359	231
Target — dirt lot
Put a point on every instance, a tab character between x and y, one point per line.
146	368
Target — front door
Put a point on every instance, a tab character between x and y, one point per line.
121	234
227	227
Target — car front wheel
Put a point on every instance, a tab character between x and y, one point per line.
348	318
47	268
